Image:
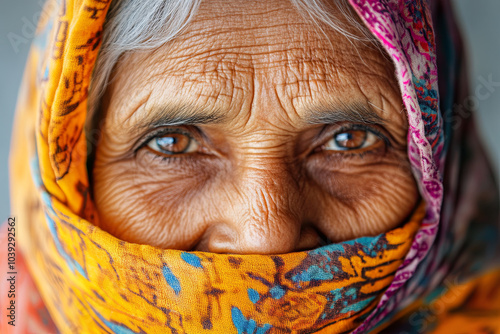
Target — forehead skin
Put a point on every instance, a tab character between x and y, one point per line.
263	70
244	61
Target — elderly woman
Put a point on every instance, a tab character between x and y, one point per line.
261	167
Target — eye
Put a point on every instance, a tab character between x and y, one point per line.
173	143
351	139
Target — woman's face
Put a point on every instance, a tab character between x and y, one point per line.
253	132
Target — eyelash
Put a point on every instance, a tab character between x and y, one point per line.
344	128
166	159
162	132
351	127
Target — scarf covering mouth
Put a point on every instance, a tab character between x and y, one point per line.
92	282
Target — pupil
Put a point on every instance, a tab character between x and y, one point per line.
166	141
173	143
351	139
344	137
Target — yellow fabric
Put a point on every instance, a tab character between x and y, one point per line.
467	308
126	284
473	307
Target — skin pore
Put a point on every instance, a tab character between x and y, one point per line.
252	132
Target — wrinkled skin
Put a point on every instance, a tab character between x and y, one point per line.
263	172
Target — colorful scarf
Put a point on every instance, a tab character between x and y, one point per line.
92	282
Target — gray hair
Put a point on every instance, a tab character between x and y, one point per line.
136	25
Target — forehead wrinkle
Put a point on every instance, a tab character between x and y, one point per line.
201	88
292	66
267	34
197	35
220	77
198	52
215	65
260	55
223	77
190	100
237	10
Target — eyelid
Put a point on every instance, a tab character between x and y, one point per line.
373	128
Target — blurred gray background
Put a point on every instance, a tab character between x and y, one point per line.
479	21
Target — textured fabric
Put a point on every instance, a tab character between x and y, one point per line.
92	282
459	237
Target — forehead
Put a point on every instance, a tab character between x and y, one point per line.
233	48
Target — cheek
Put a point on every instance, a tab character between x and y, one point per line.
142	205
365	200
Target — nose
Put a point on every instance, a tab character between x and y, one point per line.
264	215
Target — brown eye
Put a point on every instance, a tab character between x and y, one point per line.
173	143
351	140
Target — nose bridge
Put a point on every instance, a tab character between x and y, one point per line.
266	209
270	202
269	193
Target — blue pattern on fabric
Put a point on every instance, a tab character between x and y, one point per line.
171	279
116	328
253	295
277	292
314	273
246	326
191	259
356	307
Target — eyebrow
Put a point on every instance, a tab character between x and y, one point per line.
355	112
186	114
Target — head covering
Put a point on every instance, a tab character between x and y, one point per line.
93	282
